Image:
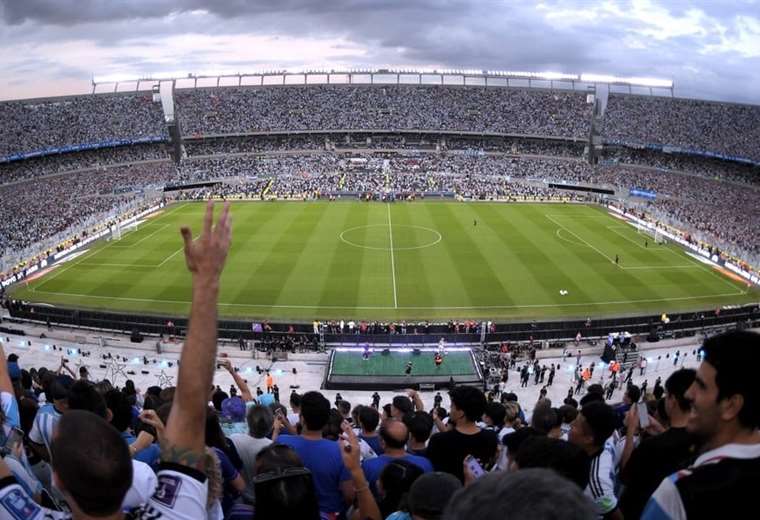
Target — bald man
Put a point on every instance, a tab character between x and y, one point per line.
393	438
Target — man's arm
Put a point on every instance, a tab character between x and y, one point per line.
5	378
245	392
183	442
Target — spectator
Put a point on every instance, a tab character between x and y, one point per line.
447	450
393	437
420	428
369	418
725	416
658	456
322	457
539	451
590	431
394	483
530	494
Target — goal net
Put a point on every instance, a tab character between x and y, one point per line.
120	229
653	233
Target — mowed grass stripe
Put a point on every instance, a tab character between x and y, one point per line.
471	273
537	276
412	275
475	274
341	284
276	268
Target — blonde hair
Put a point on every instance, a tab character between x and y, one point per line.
512	410
214	475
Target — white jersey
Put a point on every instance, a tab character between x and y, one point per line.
601	482
181	495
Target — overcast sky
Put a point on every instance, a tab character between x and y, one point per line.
710	48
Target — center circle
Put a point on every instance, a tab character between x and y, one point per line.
378	237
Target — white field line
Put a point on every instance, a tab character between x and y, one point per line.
143	238
699	265
393	262
529	306
634	242
581	239
171	256
86	256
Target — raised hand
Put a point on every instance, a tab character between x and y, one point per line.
205	256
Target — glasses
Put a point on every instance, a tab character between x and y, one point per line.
277	474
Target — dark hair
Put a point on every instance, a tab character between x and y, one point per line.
531	494
734	356
601	419
569	401
403	404
568	413
591	397
287	496
344	407
678	383
545	419
120	409
387	409
214	435
509	397
396	478
332	429
420	426
218	397
634	393
567	459
295	400
497	413
315	410
369	418
129	387
260	420
27	410
470	400
92	462
595	388
82	396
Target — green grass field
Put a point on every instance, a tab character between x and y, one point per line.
352	364
301	260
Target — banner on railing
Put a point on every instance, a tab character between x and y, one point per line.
80	148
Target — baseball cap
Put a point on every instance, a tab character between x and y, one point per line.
431	493
233	409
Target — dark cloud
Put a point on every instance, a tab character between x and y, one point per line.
484	34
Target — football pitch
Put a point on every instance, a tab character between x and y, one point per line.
402	261
351	363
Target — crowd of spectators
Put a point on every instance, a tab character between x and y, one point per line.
34	211
344	107
80	448
41	124
75	161
700	205
706	126
702	166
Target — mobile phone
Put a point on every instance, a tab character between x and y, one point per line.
643	415
474	466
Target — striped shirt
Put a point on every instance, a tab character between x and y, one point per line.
44	424
601	482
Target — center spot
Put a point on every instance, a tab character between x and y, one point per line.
378	237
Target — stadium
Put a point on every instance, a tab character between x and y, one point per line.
391	229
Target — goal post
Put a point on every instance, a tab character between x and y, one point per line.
653	233
119	229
